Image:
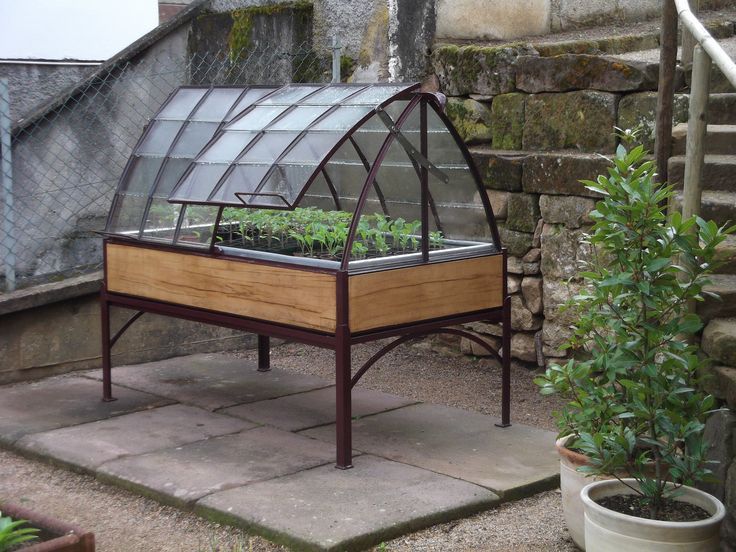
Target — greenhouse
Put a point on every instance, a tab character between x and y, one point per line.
328	214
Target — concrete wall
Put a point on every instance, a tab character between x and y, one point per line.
32	84
59	331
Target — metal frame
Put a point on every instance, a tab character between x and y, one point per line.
341	341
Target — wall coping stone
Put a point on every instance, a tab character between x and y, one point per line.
45	294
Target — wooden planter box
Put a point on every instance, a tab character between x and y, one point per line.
55	535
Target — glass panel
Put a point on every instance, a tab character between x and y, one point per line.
343	118
161	221
348	178
217	104
459	220
298	118
442	147
251	96
331	95
370	143
159	138
197	225
173	171
243	178
319	195
268	147
182	103
193	139
142	175
376	94
198	184
257	118
127	214
227	147
312	147
290	95
285	181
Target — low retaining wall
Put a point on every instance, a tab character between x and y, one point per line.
55	328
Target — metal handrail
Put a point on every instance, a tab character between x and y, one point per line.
706	50
706	41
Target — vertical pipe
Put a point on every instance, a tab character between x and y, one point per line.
506	346
343	377
666	89
264	353
6	178
336	48
106	364
696	133
425	180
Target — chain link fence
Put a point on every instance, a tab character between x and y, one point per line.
60	168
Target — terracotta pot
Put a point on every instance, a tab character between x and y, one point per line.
571	483
609	531
59	536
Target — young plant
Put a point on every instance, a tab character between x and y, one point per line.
435	240
14	533
636	407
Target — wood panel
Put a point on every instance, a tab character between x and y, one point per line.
276	294
392	297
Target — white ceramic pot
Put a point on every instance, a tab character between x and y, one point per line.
571	483
609	531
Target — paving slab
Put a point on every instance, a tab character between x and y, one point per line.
59	402
183	474
513	462
328	509
314	408
89	445
211	381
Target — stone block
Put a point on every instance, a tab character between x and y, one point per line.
472	69
499	171
491	19
472	119
554	336
518	243
507	120
531	290
560	173
556	294
568	210
523	212
485	328
513	283
719	341
533	256
530	269
523	347
567	72
639	110
563	252
469	347
514	265
720	429
499	203
521	317
582	120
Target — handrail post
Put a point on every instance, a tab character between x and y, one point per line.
336	55
697	129
6	185
688	40
666	87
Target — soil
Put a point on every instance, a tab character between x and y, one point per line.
672	510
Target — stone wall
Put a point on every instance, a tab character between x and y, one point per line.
538	120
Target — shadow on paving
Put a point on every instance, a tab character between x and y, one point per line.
256	450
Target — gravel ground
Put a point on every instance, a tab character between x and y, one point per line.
124	522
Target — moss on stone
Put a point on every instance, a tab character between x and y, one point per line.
639	111
570	47
472	119
507	120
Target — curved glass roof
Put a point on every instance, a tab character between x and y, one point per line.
333	147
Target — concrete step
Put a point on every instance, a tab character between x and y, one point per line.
719	172
726	254
719	206
720	139
722	108
719	341
725	286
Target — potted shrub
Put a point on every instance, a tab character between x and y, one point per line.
636	408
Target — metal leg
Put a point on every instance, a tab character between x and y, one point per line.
106	345
264	353
506	366
343	399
